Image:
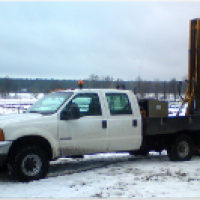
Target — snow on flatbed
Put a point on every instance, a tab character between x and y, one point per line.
111	175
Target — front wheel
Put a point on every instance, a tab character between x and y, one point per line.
181	149
29	163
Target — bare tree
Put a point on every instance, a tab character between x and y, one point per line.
6	86
156	85
108	81
173	87
93	81
140	87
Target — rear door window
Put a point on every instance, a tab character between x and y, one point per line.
118	104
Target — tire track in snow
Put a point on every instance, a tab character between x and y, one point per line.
70	166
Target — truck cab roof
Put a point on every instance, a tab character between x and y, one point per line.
95	90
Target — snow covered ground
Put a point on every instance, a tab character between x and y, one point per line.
111	175
17	102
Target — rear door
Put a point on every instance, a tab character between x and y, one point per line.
124	125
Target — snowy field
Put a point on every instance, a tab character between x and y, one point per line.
105	175
111	175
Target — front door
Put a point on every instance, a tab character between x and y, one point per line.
87	134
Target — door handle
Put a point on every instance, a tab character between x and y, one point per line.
134	123
104	124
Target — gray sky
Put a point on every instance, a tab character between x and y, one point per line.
71	40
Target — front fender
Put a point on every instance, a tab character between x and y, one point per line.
51	137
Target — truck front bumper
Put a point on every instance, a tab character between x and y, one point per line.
4	149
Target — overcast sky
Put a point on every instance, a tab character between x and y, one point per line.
71	40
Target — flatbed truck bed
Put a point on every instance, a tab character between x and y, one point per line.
165	133
170	125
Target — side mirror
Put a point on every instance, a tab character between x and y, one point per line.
75	112
72	113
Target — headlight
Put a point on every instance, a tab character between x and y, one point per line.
2	138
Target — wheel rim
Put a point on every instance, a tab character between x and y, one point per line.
31	165
183	149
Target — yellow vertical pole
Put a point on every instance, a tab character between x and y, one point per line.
193	91
197	67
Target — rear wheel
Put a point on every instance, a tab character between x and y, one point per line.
181	149
29	163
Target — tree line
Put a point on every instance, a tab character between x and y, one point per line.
139	86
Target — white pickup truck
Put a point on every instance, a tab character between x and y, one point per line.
73	123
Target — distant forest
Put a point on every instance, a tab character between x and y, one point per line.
17	85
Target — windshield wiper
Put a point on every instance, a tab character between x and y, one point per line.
41	112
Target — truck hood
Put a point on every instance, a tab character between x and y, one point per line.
5	120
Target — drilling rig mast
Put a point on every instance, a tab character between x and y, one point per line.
192	96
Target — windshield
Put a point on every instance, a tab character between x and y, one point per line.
50	103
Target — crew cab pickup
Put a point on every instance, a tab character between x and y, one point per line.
73	123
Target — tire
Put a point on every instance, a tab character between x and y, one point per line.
29	163
181	149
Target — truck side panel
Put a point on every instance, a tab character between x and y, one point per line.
159	133
170	125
